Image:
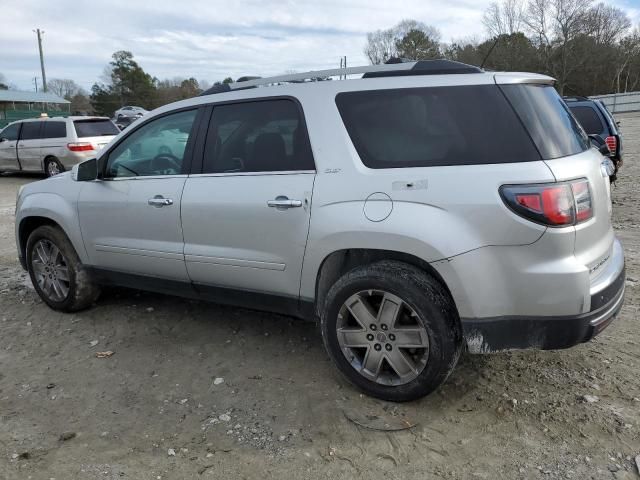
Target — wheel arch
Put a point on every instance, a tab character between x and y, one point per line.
339	262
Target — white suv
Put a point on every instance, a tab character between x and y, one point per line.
53	145
424	208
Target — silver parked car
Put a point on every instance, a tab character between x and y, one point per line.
129	111
422	209
53	145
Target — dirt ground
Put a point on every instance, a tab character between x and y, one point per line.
196	390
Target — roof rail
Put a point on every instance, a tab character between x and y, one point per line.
574	98
423	67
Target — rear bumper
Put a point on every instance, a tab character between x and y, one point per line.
488	335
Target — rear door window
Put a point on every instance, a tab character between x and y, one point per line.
95	128
54	130
30	131
257	136
435	126
589	119
548	120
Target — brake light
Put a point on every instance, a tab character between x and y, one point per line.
612	143
556	204
80	147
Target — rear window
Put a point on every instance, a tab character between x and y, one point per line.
435	126
54	130
589	119
95	128
554	130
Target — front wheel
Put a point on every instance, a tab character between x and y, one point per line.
56	272
392	330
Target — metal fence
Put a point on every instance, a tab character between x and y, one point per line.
620	102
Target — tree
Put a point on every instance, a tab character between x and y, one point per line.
409	39
3	82
126	83
504	18
64	87
417	45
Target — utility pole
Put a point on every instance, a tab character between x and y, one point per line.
44	77
35	82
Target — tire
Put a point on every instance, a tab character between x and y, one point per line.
427	317
52	167
76	289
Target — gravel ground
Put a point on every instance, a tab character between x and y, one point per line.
196	390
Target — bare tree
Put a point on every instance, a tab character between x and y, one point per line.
65	88
606	24
504	18
381	46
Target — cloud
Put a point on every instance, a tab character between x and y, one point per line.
209	40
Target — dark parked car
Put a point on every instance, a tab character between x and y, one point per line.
597	120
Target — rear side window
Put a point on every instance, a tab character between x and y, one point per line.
95	128
258	136
11	132
54	130
435	126
589	119
554	130
30	131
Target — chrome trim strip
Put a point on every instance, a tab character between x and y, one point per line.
141	252
253	174
235	262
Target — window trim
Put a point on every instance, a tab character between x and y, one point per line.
187	161
198	166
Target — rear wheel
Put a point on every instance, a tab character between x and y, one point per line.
56	272
392	330
52	166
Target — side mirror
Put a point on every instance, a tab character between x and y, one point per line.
85	171
599	144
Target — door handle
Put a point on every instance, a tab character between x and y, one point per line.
159	201
282	203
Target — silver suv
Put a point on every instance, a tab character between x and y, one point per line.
53	145
419	210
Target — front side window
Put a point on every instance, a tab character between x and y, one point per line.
258	136
434	126
30	131
54	130
11	132
157	148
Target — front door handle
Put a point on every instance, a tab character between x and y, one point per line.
282	203
159	201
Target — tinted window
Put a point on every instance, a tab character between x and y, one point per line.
30	130
589	119
11	132
423	127
554	130
156	148
95	128
259	136
54	130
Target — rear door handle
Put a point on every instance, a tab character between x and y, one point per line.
159	201
282	202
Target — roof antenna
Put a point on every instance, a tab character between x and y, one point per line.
489	52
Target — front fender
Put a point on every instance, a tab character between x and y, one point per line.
55	208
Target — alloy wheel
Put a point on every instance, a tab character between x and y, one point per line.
51	270
382	337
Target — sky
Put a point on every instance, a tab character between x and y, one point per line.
212	39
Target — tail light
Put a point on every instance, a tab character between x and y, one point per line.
554	204
80	147
612	143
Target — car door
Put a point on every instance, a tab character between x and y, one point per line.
29	146
245	218
130	218
8	147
